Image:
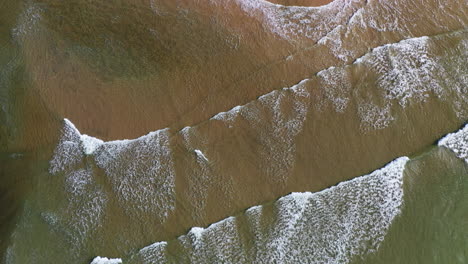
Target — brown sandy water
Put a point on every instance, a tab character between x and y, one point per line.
301	2
26	130
426	196
169	86
121	69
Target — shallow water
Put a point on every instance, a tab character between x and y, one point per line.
432	226
411	211
248	101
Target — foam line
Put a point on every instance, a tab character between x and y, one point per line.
457	142
329	226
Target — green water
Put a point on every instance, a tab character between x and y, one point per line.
433	225
41	223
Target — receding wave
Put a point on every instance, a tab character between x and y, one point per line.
457	142
337	225
374	80
330	226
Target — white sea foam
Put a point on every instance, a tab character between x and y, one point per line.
201	176
200	154
330	226
90	144
374	116
336	82
407	72
154	253
406	69
202	245
141	170
76	181
336	41
86	201
85	205
457	142
228	115
291	22
101	260
197	232
28	21
112	157
288	111
336	24
336	224
287	108
68	152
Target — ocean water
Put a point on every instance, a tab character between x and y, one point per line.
257	132
220	60
413	210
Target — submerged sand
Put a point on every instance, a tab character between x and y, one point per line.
301	2
362	86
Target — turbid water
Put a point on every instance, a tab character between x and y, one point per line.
411	211
248	102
